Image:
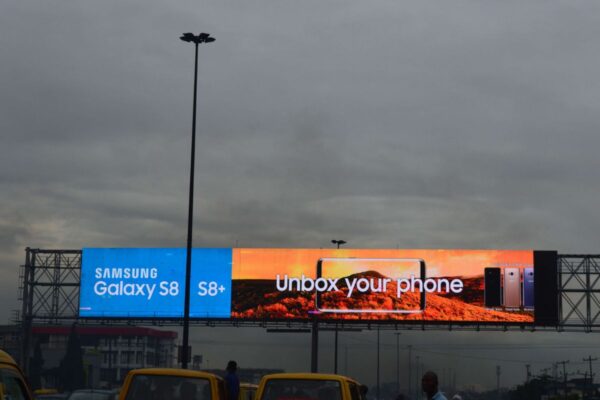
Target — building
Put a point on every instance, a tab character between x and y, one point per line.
10	340
110	352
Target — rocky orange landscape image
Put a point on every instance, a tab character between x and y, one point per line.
259	299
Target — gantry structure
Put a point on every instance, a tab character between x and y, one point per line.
50	285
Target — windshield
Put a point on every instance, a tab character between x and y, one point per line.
13	387
302	389
165	387
90	395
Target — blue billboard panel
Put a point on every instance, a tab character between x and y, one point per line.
210	284
150	283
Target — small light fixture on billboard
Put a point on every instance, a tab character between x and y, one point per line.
338	242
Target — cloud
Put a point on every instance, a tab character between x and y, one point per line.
386	124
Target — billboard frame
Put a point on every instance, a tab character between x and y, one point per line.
49	293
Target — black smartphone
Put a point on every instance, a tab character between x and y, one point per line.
492	292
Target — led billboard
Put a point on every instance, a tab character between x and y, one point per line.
150	282
362	284
483	286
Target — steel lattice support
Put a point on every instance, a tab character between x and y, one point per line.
50	293
579	291
51	279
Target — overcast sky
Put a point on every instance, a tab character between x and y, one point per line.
411	124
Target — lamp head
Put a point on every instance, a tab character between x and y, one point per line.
187	37
201	38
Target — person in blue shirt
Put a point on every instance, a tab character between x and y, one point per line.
429	384
232	381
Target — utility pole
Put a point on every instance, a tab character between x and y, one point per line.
110	363
498	382
409	371
590	359
564	363
418	392
378	382
346	359
397	361
555	375
335	354
422	369
454	379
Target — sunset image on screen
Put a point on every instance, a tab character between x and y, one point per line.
267	284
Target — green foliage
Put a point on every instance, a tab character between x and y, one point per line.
72	374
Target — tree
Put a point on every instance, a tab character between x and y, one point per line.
72	374
35	369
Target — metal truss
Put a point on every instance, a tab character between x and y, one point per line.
49	291
51	279
579	291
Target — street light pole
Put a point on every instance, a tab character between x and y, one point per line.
335	357
335	351
191	38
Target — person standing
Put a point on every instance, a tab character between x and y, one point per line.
232	381
363	389
429	384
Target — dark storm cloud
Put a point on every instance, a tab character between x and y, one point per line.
428	108
440	124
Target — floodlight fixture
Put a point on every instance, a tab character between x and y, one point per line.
338	242
197	39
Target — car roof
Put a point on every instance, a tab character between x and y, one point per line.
107	391
248	385
174	372
309	375
6	358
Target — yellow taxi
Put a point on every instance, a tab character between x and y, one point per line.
12	382
307	386
44	391
172	384
247	391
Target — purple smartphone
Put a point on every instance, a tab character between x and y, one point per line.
528	288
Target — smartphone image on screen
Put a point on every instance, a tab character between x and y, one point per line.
362	282
512	287
492	291
528	288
